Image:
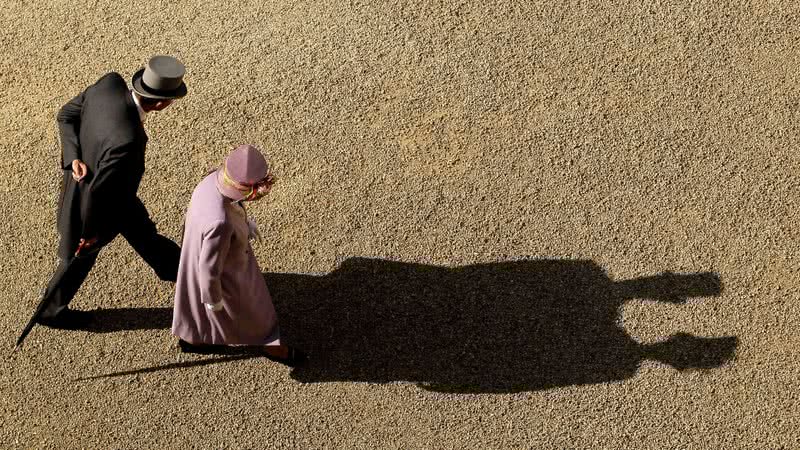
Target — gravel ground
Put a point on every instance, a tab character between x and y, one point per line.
462	187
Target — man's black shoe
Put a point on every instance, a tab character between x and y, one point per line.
68	319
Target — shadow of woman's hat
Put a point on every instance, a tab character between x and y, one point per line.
160	79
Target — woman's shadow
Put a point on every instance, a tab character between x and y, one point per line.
497	327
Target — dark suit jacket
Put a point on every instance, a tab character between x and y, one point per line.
101	127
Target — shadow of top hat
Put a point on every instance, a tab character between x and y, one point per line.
671	287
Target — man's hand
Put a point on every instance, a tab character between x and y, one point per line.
85	245
79	170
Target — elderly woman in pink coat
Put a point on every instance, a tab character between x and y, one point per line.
221	298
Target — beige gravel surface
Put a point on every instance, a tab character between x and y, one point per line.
460	185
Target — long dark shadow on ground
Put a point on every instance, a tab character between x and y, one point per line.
486	328
497	327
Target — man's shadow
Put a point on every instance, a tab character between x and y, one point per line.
497	327
122	319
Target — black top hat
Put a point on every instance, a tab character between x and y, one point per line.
162	78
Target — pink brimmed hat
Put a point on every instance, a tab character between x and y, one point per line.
243	168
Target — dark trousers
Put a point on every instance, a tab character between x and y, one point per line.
158	252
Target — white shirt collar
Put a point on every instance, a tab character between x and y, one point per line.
142	113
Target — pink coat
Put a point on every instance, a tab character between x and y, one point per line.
217	265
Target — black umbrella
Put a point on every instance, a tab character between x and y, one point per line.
31	323
63	271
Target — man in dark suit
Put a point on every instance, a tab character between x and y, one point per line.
103	142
